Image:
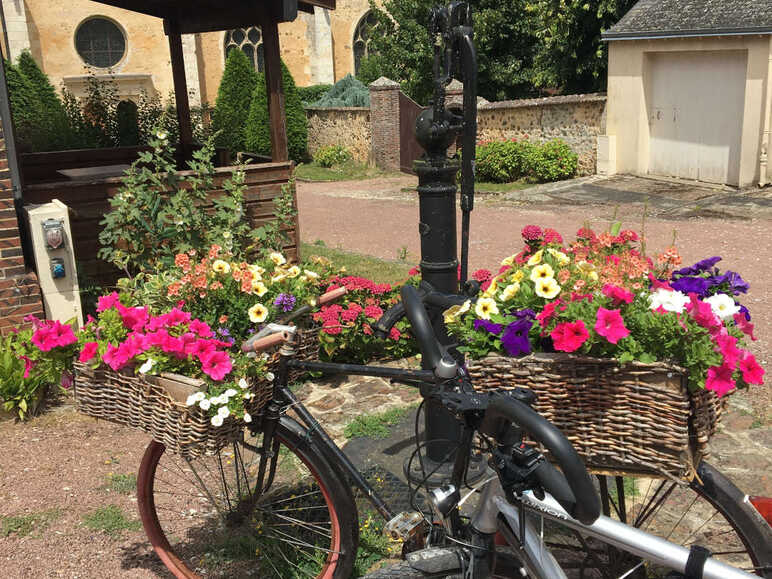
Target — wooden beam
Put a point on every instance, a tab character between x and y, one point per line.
180	85
275	91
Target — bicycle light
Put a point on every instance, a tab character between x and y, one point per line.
445	498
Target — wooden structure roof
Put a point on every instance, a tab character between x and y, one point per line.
192	16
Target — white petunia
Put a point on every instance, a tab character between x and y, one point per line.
270	376
223	411
217	420
204	404
147	366
668	300
230	392
723	306
248	395
247	417
191	401
243	383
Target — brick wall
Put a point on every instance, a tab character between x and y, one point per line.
384	120
19	288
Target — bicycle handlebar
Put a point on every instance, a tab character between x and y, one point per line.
265	343
586	506
421	326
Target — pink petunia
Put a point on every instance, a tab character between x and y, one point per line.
657	284
176	317
200	348
727	347
610	325
53	335
618	295
133	318
106	302
703	314
28	365
745	326
752	371
42	339
720	380
546	314
88	352
216	365
115	357
201	328
569	336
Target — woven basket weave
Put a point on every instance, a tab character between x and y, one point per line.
636	419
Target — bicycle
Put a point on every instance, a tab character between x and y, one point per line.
279	502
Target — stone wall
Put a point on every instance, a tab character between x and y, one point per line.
347	126
576	119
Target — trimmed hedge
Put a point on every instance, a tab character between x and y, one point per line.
233	100
257	130
310	94
507	161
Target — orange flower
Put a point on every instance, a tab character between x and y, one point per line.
200	282
214	251
174	289
246	285
223	319
182	260
215	285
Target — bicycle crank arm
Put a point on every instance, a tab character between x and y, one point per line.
624	537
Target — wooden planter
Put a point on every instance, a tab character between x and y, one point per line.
637	419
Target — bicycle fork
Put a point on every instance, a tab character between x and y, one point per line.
537	558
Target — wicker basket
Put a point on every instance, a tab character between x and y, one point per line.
635	419
157	406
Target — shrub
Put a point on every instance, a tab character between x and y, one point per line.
24	107
347	92
551	161
310	94
233	101
257	130
52	123
332	155
127	124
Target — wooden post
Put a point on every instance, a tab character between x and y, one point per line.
180	87
279	151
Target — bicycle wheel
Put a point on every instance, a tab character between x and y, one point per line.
203	519
710	512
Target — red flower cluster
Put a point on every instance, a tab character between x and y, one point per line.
353	283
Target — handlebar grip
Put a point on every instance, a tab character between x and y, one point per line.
421	327
386	322
265	343
331	295
553	481
587	504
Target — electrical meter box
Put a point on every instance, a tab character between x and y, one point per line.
49	227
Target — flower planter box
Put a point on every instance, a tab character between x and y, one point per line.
637	419
156	405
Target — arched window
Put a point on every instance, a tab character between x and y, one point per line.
250	42
361	42
100	42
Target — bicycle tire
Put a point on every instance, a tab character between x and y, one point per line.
192	511
710	512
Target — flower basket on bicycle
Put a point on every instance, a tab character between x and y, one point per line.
631	418
157	405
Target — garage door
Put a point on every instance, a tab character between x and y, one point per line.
696	102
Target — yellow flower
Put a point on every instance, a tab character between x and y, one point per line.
547	288
543	271
259	288
535	259
310	275
221	266
562	258
485	308
593	275
256	273
277	258
585	267
277	277
258	313
509	292
509	260
453	313
518	276
294	271
491	291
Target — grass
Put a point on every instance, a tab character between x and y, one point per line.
124	484
374	546
348	171
24	525
374	425
111	520
379	270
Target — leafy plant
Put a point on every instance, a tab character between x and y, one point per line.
332	155
232	106
25	525
257	129
111	520
124	484
159	213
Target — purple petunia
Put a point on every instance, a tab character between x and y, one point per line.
515	338
489	327
285	301
699	267
687	285
737	285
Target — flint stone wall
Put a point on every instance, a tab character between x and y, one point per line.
347	126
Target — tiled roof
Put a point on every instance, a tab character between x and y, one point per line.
674	18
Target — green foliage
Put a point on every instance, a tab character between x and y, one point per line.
347	92
507	161
373	544
332	155
570	55
374	425
310	94
127	124
124	484
156	215
233	101
25	525
111	520
257	130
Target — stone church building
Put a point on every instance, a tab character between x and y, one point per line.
69	37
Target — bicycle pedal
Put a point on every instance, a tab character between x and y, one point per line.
404	526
